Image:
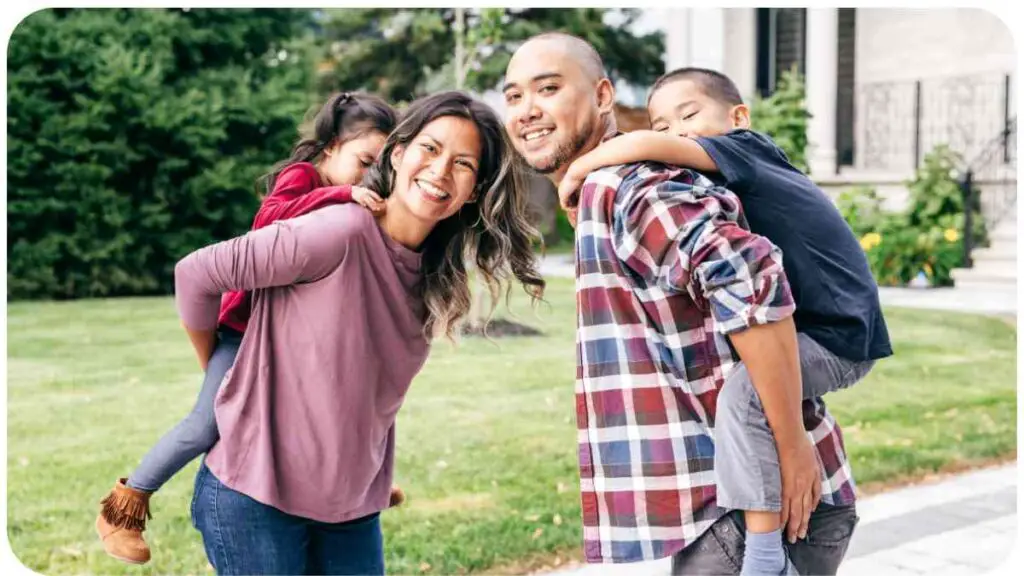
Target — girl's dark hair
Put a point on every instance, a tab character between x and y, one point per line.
345	116
494	232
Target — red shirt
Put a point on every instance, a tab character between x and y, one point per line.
298	190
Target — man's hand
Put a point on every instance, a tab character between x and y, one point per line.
771	355
801	486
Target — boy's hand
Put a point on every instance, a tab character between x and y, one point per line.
801	487
368	199
569	189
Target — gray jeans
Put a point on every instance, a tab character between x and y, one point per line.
746	459
720	549
197	432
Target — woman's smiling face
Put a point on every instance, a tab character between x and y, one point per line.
436	172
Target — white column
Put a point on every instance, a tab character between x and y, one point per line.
707	38
822	53
693	37
676	27
740	61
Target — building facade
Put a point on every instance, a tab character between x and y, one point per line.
884	87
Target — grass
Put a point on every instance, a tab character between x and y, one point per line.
486	439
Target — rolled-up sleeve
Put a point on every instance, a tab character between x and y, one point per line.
686	238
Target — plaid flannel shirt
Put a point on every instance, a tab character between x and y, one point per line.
665	271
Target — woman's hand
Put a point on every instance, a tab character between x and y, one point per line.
368	199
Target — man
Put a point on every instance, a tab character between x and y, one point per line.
677	302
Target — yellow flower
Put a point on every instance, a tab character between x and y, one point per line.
870	240
928	270
951	235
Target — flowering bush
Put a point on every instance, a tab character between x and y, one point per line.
927	237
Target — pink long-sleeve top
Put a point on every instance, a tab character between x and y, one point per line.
307	413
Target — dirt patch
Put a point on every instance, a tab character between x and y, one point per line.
501	328
542	563
454	503
951	469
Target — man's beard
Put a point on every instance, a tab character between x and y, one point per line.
569	151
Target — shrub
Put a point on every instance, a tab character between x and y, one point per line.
783	116
926	237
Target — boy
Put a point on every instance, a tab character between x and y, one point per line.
699	121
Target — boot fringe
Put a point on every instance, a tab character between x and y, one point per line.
125	511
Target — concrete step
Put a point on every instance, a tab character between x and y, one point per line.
1006	230
1003	236
1002	252
974	278
989	267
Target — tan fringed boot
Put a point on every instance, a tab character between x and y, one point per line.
122	521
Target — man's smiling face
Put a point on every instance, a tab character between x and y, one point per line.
552	105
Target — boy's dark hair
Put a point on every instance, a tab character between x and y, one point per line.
345	116
715	85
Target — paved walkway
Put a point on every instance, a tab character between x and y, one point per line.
1000	302
960	526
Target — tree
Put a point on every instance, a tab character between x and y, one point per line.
136	136
402	54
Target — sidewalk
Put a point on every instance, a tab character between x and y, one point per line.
999	302
963	525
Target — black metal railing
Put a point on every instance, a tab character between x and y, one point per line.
989	184
897	123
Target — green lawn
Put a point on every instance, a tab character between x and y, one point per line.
486	447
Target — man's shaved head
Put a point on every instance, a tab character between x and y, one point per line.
581	52
559	101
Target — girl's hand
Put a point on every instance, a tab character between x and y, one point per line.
368	199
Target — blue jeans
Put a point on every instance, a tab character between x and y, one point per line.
243	536
720	549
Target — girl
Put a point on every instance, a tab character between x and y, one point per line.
347	134
345	303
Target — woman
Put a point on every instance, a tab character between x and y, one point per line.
344	306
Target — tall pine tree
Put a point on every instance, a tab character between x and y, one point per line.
136	135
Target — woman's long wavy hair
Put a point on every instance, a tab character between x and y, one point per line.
493	232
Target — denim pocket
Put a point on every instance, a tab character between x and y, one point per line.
828	537
718	551
197	487
832	525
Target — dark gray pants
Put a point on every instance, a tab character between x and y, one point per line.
746	459
197	433
720	549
